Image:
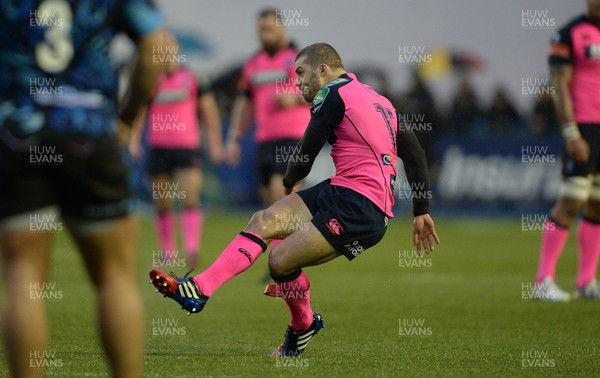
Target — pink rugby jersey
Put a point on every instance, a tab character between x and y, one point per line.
172	117
578	44
362	128
264	77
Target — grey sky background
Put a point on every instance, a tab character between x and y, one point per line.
370	32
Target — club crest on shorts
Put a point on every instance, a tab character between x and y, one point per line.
334	226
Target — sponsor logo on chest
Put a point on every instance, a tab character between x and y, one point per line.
268	77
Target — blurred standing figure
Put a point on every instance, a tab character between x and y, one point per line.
269	96
59	156
575	70
174	138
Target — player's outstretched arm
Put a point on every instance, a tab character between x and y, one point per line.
415	166
576	147
209	112
304	156
143	78
241	118
136	132
417	174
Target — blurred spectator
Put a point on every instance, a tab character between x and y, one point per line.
502	117
543	119
376	77
465	114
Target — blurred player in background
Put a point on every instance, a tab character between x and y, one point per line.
59	156
341	216
575	71
268	95
174	140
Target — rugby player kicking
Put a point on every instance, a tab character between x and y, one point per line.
341	216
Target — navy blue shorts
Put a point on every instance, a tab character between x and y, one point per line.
272	157
349	221
590	132
166	160
86	177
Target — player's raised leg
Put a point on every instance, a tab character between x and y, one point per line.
109	253
239	255
25	262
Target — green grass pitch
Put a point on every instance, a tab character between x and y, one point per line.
458	312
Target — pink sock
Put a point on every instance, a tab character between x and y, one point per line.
191	220
553	241
296	294
238	256
166	231
589	249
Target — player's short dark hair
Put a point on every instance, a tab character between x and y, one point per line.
318	53
270	12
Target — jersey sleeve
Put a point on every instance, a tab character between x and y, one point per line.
415	166
561	47
139	18
327	110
